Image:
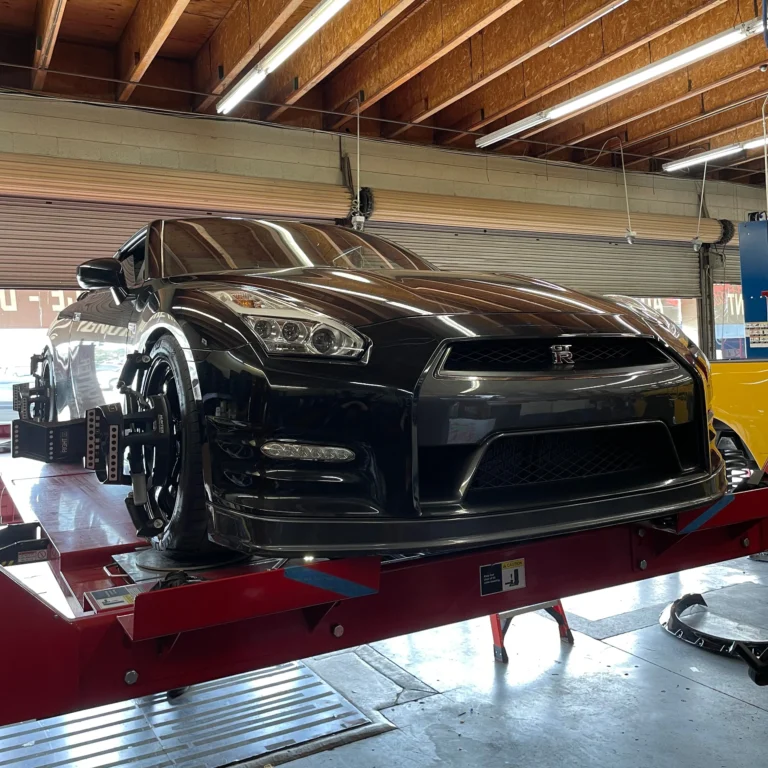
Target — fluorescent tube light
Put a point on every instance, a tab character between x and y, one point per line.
704	157
664	66
605	12
754	144
299	35
523	125
240	91
651	72
291	43
713	154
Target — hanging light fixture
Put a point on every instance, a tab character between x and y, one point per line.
658	69
713	154
291	43
600	15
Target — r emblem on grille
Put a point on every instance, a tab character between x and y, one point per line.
561	354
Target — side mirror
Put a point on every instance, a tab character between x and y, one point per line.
101	273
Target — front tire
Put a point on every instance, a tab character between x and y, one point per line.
180	499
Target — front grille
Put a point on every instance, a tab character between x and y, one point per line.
569	463
519	355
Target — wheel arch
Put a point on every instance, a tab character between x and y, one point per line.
722	426
188	340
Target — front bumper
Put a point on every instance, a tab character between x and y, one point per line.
333	536
416	436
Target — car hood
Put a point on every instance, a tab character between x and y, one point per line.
361	297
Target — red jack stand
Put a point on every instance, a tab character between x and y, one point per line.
500	623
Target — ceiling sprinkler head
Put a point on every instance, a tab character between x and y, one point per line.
631	236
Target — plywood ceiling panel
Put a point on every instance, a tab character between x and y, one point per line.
17	15
96	21
215	9
189	35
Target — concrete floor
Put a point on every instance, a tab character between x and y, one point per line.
626	694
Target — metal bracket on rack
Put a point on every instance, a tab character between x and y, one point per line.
110	441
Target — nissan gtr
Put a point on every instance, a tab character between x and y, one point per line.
328	392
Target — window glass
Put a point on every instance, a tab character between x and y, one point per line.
133	261
683	312
133	265
730	341
154	265
24	320
195	246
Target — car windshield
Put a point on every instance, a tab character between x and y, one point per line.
196	246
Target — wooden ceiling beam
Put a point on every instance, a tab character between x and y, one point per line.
47	22
663	143
422	38
700	128
693	96
753	155
354	26
620	42
144	35
758	168
499	48
243	34
719	130
677	39
737	169
679	96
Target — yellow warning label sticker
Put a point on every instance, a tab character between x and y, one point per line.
502	577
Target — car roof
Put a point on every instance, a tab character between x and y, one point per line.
156	222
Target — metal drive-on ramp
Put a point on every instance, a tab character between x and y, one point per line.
212	725
67	645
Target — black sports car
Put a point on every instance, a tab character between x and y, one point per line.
329	392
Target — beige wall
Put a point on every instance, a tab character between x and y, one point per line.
40	126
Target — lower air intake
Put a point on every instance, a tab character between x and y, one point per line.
577	459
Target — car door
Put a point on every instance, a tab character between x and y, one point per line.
59	334
102	323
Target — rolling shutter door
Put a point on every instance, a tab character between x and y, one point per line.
597	265
54	178
56	213
729	271
513	216
42	242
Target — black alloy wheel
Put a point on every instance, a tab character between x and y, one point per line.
177	494
162	496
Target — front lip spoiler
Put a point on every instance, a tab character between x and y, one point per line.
271	534
740	646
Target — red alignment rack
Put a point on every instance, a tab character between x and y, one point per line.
244	617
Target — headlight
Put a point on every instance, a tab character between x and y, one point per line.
284	329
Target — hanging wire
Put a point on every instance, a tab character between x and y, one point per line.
357	152
626	190
701	201
601	151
